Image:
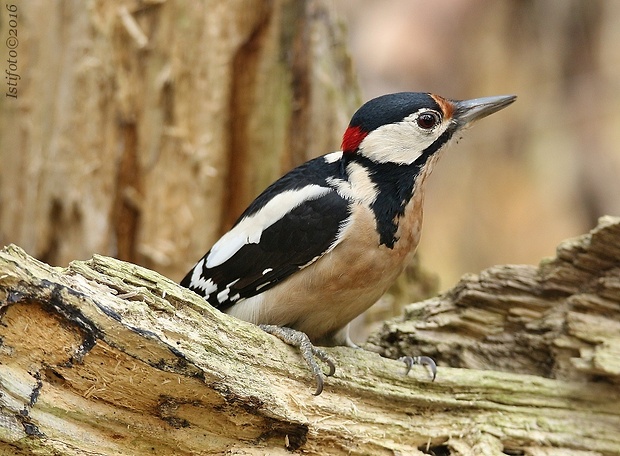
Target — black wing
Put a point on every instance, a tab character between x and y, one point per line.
300	237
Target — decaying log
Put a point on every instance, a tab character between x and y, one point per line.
559	320
108	358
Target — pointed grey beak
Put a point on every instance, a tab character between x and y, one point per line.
469	111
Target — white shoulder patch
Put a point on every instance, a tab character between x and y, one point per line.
250	229
359	187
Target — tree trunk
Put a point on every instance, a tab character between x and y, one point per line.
141	130
109	358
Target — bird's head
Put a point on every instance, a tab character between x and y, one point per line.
408	127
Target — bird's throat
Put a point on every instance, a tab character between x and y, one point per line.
392	186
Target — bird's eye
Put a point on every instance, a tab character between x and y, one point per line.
428	120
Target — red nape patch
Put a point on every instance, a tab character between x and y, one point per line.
352	139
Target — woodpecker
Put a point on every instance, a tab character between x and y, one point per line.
322	243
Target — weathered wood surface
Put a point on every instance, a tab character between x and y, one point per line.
108	358
559	320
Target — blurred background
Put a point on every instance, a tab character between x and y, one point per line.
141	129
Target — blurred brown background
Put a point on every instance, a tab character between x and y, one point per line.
142	129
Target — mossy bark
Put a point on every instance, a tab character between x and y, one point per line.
106	358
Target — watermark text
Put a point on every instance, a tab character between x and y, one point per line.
11	75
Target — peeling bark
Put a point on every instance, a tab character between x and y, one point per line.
107	358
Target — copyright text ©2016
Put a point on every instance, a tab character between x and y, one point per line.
11	75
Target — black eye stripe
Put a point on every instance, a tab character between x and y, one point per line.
428	120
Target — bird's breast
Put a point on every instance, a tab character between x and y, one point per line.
324	297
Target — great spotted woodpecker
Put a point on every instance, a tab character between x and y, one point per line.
321	244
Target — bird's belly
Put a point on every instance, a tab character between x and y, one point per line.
324	297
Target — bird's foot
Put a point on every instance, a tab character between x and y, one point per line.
410	361
308	351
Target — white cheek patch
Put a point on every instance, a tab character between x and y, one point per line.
402	142
250	229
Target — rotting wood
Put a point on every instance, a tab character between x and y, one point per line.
108	358
558	320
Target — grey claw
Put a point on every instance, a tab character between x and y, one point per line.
410	361
308	351
319	385
326	359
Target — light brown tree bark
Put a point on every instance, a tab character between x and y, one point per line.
141	130
107	358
